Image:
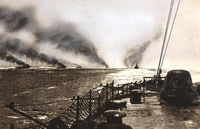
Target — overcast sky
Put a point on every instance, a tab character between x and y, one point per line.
120	28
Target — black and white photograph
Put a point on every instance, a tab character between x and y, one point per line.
99	64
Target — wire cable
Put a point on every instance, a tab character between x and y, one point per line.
26	105
170	34
166	31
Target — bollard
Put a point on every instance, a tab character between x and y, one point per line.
135	97
114	116
116	104
12	126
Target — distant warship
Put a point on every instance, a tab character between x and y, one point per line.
23	66
136	66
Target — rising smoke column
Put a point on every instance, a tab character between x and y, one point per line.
14	45
8	57
134	55
67	38
64	35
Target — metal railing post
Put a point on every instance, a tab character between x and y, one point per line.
77	109
112	89
106	91
122	90
90	104
118	89
144	86
99	102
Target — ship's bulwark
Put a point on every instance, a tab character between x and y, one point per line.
45	93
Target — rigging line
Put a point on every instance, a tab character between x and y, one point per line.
157	120
170	32
47	103
166	30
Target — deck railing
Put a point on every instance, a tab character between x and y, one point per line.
87	106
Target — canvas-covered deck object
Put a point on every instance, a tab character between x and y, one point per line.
178	88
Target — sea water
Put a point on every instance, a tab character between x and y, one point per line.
44	93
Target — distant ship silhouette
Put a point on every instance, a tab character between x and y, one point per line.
23	66
136	66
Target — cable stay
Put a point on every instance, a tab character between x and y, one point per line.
166	30
165	44
170	33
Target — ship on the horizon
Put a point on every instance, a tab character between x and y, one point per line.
136	66
23	66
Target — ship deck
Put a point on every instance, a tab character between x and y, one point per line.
151	114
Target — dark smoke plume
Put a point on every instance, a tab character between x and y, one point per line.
134	56
7	57
13	20
64	35
14	45
68	39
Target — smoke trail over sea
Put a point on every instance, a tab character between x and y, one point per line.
8	57
63	36
66	38
135	54
110	35
14	20
15	46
